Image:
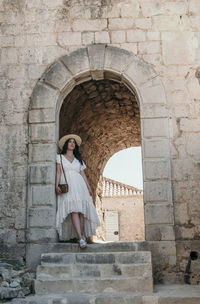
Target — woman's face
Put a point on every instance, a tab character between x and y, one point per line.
71	144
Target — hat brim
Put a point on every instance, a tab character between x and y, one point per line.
66	137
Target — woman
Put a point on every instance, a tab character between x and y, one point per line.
76	211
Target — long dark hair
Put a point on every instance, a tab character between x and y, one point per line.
76	152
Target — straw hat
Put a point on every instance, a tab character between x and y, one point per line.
66	137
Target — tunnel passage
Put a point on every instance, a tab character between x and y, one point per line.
106	115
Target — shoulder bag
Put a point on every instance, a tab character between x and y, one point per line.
63	187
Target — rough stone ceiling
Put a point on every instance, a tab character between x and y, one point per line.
106	116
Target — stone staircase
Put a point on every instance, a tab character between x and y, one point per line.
100	274
94	273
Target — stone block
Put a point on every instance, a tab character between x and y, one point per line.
156	148
179	47
43	195
183	169
87	38
8	236
118	37
135	35
41	217
157	192
77	61
9	56
42	115
41	235
181	213
80	12
159	233
57	75
157	127
149	47
120	23
30	55
35	71
194	7
158	214
156	169
130	47
81	25
44	174
154	111
110	11
116	60
163	255
193	87
138	72
95	258
42	152
20	219
153	92
42	132
96	55
192	146
143	23
152	7
153	36
130	10
154	59
189	125
43	97
102	37
149	299
54	4
195	22
169	23
69	38
59	259
62	25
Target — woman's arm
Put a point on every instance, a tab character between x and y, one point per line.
58	174
86	181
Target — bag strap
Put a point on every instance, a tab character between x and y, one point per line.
63	168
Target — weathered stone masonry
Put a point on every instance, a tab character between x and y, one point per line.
164	36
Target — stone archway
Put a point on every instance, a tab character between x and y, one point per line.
98	62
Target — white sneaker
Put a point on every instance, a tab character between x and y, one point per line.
82	243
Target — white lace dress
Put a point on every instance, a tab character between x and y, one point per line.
77	199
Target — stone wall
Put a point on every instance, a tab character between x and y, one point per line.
164	34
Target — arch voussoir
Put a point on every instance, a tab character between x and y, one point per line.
77	62
57	75
117	60
138	72
44	96
96	54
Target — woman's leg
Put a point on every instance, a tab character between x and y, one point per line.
81	217
77	224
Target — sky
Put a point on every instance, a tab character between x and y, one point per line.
125	166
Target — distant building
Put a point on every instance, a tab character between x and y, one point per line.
122	211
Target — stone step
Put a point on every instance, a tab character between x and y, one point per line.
164	294
177	294
96	258
94	285
96	247
93	270
85	299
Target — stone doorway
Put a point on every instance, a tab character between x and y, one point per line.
84	67
106	114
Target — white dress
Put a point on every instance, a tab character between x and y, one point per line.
77	199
